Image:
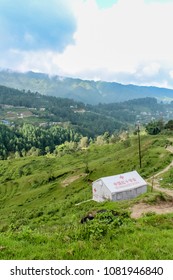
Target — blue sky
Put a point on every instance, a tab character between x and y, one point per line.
127	41
35	24
106	4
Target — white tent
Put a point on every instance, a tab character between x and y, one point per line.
118	187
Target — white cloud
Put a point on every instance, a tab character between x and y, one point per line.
131	37
171	74
151	69
119	39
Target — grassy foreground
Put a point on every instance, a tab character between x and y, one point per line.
40	215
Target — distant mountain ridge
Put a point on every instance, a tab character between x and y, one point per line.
86	91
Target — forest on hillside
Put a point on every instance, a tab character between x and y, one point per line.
92	120
65	125
83	118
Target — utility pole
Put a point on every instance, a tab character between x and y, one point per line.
152	183
139	143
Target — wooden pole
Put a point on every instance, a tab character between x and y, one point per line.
139	146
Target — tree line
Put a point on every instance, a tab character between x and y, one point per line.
156	127
90	123
88	120
31	140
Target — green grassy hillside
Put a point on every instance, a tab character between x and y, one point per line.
40	214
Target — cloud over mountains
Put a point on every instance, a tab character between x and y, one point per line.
127	41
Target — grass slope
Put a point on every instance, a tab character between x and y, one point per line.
40	218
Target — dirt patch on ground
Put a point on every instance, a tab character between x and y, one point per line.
163	207
141	208
166	191
169	149
71	179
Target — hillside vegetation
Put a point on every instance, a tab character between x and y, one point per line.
88	92
43	199
52	149
35	124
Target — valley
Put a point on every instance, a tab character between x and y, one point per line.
86	138
52	149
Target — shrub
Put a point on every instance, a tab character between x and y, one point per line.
104	223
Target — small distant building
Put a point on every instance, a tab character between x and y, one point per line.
6	122
119	187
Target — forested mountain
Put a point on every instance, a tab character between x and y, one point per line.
90	120
32	123
88	92
84	119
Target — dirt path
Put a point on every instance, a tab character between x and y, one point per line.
141	208
71	179
162	207
155	179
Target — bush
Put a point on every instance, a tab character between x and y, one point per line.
104	223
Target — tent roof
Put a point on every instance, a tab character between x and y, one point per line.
123	182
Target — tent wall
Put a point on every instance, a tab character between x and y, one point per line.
129	194
101	192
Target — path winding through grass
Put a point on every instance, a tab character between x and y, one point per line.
163	207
